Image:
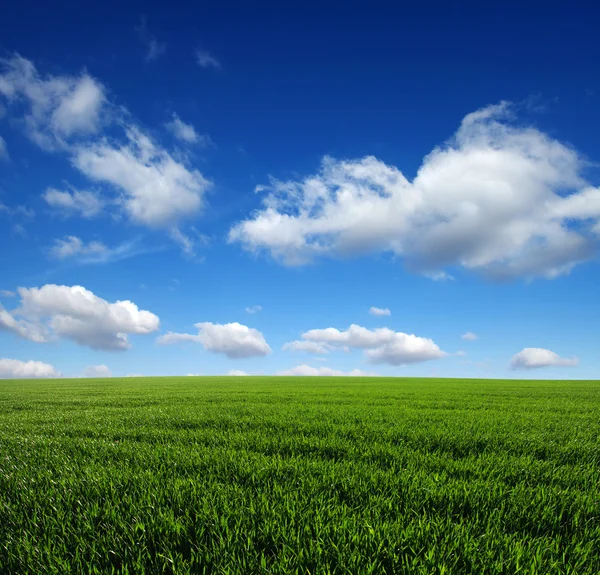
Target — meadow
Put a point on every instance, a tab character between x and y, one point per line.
284	475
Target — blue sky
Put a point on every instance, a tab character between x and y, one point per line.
198	189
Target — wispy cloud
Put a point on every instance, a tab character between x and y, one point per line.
94	252
206	60
254	309
154	48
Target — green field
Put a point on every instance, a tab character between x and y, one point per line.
299	475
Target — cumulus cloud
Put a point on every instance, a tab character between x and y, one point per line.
157	191
379	311
254	309
205	59
15	369
498	198
535	357
308	346
56	109
186	132
469	336
324	371
74	203
381	345
97	371
234	340
75	313
237	372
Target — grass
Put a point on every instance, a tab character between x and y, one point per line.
299	475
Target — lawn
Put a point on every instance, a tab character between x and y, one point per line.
299	475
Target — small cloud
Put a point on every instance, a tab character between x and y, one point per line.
535	357
307	370
235	340
379	311
3	149
134	375
186	132
81	203
469	336
154	48
96	371
439	276
254	309
72	247
308	346
16	369
7	293
206	60
461	353
237	372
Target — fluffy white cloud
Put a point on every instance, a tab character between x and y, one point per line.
207	60
57	108
382	345
379	311
308	346
75	313
73	246
498	198
158	191
534	357
186	132
15	369
233	339
237	372
74	203
97	371
469	336
324	371
254	309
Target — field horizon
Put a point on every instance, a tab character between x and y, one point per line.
286	474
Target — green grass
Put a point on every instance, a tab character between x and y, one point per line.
299	475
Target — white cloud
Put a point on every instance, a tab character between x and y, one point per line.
73	246
469	336
7	293
76	202
93	252
534	357
75	313
308	346
154	48
237	372
15	369
382	345
307	370
57	108
97	371
186	132
157	190
498	198
254	309
207	60
379	311
232	339
461	353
